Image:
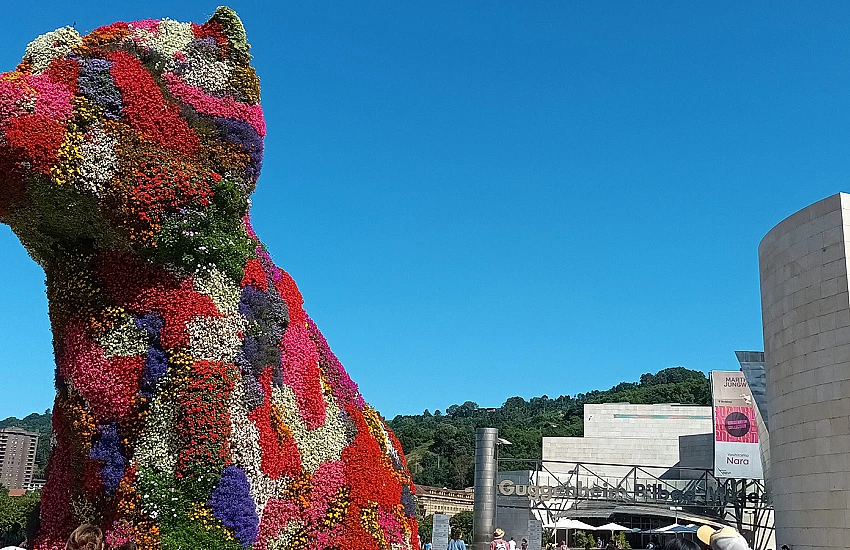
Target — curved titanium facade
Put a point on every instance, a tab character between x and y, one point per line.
806	317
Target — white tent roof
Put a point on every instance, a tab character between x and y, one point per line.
569	523
612	527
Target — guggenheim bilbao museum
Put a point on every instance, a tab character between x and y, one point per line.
770	457
806	316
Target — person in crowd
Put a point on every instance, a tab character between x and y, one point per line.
427	545
563	545
512	544
498	542
456	542
85	537
524	544
681	544
784	547
610	545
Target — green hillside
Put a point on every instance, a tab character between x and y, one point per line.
440	446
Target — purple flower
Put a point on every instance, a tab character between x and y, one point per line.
97	86
244	135
231	503
156	361
108	450
409	501
268	317
151	324
254	396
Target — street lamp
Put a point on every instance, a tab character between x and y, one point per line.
676	509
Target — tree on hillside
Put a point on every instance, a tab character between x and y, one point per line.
441	448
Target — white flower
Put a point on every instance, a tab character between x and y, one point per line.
224	293
99	161
210	76
245	451
47	47
215	338
323	444
124	340
158	446
172	36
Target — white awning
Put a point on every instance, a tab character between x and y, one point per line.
612	527
569	523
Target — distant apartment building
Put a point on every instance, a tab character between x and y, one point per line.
17	457
436	500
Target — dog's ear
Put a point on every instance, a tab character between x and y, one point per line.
228	23
227	29
49	46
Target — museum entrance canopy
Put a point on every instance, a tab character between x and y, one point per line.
552	490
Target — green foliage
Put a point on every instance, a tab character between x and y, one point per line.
582	540
40	424
57	218
440	448
621	539
463	522
214	236
426	527
191	535
13	515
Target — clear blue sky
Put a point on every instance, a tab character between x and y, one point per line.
487	199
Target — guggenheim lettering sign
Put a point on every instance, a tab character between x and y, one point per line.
650	492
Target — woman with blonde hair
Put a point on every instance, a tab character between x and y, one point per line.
85	537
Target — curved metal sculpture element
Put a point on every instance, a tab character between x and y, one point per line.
197	406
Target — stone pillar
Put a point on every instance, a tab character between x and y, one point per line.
806	318
486	470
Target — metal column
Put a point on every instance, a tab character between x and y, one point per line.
486	470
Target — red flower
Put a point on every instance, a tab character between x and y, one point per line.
294	301
146	110
280	456
37	139
255	276
142	288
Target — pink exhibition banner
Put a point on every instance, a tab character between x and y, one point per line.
736	439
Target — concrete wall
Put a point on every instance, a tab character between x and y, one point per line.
696	451
806	317
622	433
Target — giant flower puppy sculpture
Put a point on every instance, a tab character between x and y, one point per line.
197	406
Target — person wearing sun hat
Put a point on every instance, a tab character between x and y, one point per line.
722	539
498	542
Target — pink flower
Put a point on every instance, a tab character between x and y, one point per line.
216	106
150	25
110	387
301	373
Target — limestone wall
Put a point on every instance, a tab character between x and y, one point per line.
806	316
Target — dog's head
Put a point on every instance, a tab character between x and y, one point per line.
142	137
